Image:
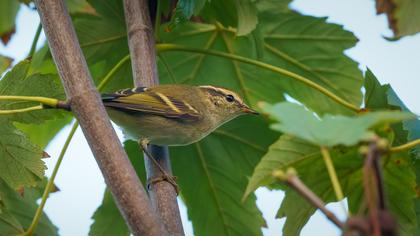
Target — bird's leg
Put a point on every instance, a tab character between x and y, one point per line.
165	176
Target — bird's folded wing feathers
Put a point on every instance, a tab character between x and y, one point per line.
149	102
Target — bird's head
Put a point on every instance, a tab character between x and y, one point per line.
226	103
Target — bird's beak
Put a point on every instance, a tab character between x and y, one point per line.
247	109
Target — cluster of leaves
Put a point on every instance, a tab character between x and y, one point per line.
17	210
213	174
300	146
22	169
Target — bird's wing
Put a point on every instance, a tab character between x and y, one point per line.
147	101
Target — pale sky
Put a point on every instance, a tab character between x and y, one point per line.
81	184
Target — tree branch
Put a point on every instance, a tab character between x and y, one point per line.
294	182
90	112
143	58
373	186
405	146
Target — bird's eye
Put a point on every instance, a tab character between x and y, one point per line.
230	98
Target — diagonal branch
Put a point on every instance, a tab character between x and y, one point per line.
369	184
374	187
292	180
90	112
143	57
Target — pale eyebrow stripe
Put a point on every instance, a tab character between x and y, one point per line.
207	86
223	92
217	90
168	102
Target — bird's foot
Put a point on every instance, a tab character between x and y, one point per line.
164	177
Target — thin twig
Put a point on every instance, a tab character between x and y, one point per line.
333	177
370	198
405	146
379	183
373	187
21	110
291	179
50	183
374	156
143	60
87	107
158	20
45	103
51	102
112	72
35	41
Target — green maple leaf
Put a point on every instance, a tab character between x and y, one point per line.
17	211
329	130
380	97
307	160
21	163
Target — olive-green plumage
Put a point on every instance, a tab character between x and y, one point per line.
173	114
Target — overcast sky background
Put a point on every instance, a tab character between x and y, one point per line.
82	185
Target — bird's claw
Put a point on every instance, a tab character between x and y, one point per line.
165	177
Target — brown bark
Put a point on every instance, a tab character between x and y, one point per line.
143	57
87	107
294	182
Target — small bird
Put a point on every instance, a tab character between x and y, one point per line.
172	115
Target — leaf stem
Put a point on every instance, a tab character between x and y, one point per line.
333	176
50	183
405	146
52	102
175	47
49	102
157	20
291	179
34	108
112	72
35	41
